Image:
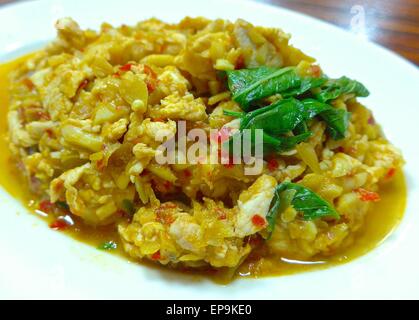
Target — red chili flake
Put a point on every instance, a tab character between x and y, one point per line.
150	72
58	225
169	220
28	83
126	67
156	256
46	206
152	78
315	71
222	215
59	185
272	164
168	185
258	220
166	219
83	84
49	132
100	164
162	48
371	120
340	149
187	173
240	63
158	120
151	86
116	75
390	173
366	195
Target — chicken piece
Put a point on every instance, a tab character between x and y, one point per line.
94	199
256	50
343	165
39	78
67	179
77	135
37	128
69	33
18	135
254	205
187	233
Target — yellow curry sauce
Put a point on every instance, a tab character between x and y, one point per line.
380	221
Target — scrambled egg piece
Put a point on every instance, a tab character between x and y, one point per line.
180	108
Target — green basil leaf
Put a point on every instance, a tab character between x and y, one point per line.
281	201
288	143
306	85
336	87
108	245
313	107
235	114
278	118
301	128
310	203
337	120
250	85
304	200
271	144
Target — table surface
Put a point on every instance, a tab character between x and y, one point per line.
391	23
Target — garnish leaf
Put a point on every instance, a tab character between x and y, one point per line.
281	201
307	84
304	200
336	87
250	85
285	122
278	118
337	120
231	113
108	245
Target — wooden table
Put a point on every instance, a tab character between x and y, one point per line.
391	23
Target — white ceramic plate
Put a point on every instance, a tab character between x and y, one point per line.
38	263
